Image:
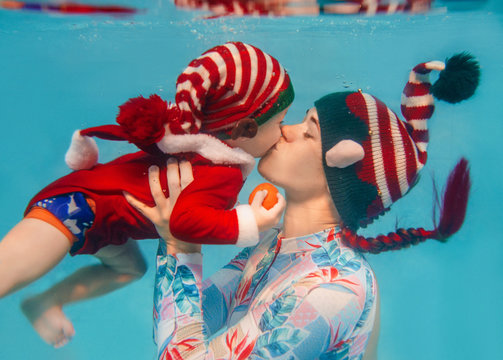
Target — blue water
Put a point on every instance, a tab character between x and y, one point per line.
439	301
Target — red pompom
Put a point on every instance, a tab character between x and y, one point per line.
143	119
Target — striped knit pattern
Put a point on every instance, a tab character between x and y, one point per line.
395	154
418	105
390	161
373	7
221	8
392	7
395	151
228	83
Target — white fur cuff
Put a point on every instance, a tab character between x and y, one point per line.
248	229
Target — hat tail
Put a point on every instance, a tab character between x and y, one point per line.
83	151
418	105
459	78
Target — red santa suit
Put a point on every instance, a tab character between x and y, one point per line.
203	213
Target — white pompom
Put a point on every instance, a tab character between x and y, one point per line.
83	152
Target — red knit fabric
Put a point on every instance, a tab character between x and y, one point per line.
400	239
143	119
365	167
388	151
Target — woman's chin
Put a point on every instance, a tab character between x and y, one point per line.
267	170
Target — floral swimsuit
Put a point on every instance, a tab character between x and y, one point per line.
309	297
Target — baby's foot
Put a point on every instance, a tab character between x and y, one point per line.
48	320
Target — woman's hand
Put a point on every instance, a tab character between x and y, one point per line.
266	219
179	175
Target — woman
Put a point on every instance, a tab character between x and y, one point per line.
307	292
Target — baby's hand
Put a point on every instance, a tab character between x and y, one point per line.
266	219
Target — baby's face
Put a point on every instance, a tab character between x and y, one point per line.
267	136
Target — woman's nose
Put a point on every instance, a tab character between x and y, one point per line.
286	132
290	132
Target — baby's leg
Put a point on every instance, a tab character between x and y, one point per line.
28	251
119	266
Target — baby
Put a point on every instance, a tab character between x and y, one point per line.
230	103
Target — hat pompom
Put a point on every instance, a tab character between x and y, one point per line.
143	119
83	152
459	79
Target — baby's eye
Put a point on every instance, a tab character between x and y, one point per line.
308	135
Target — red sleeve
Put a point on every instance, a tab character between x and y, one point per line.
203	212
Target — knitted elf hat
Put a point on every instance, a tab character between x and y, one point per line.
372	158
228	91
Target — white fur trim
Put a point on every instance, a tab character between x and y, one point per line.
344	153
248	229
435	65
83	152
209	147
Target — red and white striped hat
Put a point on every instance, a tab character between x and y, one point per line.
372	158
227	83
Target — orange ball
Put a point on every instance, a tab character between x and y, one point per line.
271	199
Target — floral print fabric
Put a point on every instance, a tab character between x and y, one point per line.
310	297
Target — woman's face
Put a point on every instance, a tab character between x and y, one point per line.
295	162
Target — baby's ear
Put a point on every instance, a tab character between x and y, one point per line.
344	154
244	128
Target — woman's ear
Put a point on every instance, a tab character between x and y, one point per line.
344	154
246	127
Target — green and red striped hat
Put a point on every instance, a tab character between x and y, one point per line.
371	157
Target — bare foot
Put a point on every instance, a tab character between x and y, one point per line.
48	320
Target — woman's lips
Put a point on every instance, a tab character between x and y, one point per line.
271	149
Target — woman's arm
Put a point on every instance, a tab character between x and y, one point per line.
179	176
219	290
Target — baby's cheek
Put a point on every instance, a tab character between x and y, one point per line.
277	135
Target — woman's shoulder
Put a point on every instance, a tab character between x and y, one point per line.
334	253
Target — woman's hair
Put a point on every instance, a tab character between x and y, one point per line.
452	214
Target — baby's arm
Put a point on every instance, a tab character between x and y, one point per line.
203	212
